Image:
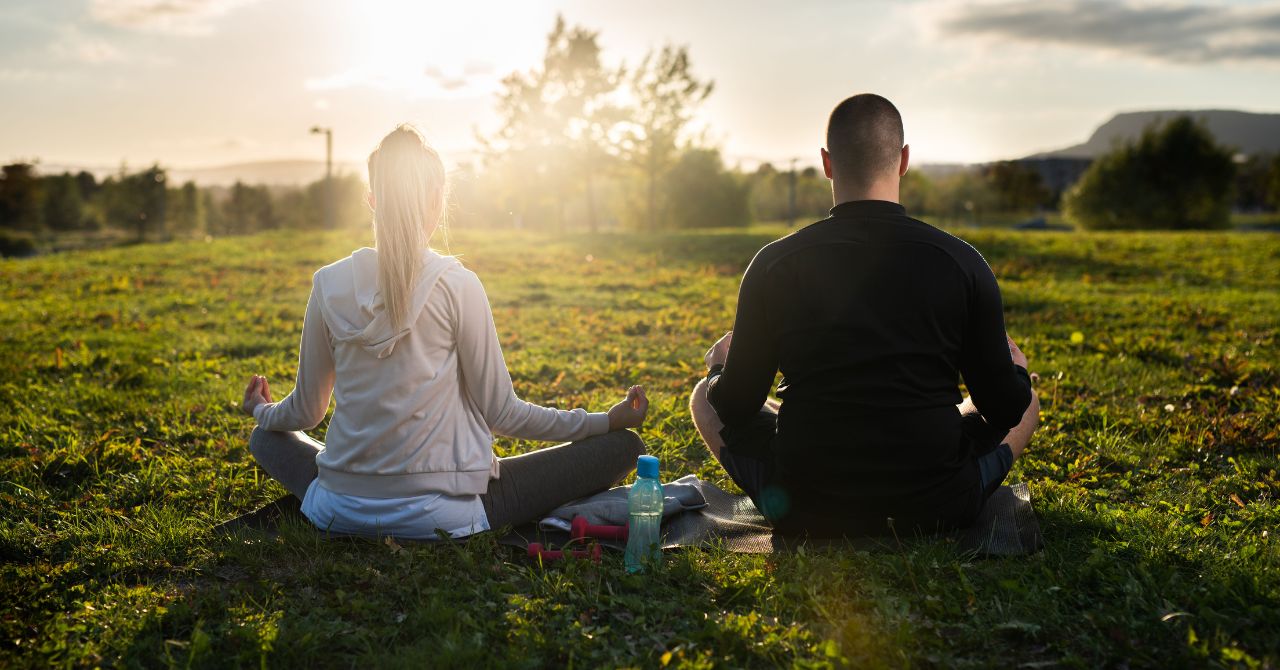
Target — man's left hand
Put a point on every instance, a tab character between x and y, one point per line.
719	352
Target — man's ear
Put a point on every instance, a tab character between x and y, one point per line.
826	163
906	160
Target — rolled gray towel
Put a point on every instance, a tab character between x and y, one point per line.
609	508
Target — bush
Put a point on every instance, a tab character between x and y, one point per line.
1174	177
17	243
702	194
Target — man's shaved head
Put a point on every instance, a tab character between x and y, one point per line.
864	139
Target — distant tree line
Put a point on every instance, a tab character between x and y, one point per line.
142	206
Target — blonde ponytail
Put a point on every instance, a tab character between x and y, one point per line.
407	179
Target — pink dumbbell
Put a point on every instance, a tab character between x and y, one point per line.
546	555
580	529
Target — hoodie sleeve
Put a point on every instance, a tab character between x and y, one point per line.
488	383
304	408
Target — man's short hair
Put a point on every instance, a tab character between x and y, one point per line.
864	138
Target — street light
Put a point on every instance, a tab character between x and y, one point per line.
328	173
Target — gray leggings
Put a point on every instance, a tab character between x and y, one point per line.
530	484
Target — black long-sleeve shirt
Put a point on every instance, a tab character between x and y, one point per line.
872	317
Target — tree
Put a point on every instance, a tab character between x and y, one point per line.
916	192
960	196
703	194
136	201
1016	187
557	123
1253	174
350	209
20	198
1174	177
63	206
665	94
87	185
1273	189
185	214
248	209
770	193
151	195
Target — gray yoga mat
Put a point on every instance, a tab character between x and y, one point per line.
1006	527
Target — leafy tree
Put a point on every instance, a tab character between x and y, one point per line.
86	184
248	209
20	198
1273	188
1174	177
1016	187
915	192
63	205
770	193
1253	174
703	194
961	196
349	204
186	210
557	126
665	92
136	201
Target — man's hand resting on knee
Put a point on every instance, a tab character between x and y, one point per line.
719	352
631	411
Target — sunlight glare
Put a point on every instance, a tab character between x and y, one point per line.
430	50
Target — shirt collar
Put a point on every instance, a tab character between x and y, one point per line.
868	208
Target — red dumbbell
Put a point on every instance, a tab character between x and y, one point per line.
536	551
580	529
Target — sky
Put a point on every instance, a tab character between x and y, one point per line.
192	83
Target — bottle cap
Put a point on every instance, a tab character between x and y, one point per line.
647	466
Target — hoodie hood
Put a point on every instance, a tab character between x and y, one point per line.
353	308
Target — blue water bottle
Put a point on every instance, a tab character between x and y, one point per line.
644	508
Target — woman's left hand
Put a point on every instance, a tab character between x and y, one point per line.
256	393
630	412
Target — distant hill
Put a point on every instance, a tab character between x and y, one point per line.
1248	132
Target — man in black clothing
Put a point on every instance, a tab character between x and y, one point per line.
872	317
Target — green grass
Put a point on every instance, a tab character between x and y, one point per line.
1154	474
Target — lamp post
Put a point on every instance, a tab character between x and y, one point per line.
328	174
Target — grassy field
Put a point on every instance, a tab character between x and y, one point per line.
1154	474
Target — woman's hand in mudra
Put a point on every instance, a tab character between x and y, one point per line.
256	393
630	412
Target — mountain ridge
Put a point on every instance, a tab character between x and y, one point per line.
1248	132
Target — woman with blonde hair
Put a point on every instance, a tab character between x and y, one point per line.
404	339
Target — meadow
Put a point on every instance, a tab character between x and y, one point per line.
1154	474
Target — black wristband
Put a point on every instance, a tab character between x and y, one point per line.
715	371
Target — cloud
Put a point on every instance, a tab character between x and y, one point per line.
71	44
27	74
181	17
416	83
1162	31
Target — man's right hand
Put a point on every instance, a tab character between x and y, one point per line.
1015	353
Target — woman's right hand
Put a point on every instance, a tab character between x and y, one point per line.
631	411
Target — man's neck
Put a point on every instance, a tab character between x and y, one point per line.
881	190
